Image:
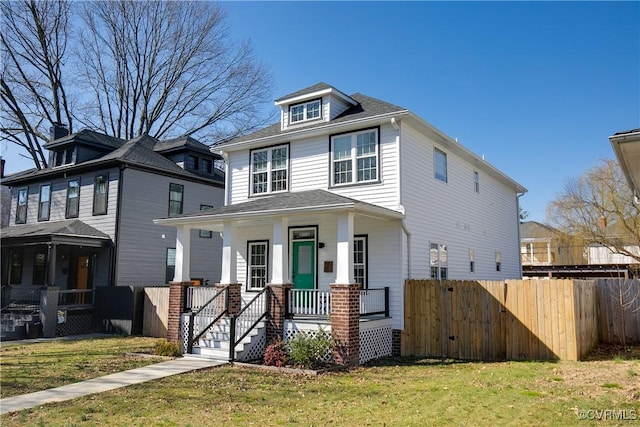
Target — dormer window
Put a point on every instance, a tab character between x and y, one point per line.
305	111
193	163
64	156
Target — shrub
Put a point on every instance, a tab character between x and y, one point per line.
311	351
166	348
276	354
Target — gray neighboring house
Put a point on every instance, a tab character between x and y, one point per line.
85	222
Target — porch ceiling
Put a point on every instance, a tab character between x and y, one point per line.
71	232
304	203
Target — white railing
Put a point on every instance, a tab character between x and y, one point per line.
197	296
374	301
309	302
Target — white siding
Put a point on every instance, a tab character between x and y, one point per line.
143	245
310	166
454	214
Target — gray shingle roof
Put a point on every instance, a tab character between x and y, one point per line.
315	88
184	142
73	227
287	201
87	136
367	107
138	152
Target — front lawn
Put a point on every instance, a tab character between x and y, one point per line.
391	392
29	367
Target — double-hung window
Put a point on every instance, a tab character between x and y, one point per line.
438	260
270	170
100	190
258	257
440	164
305	111
360	260
73	199
44	205
15	269
21	206
176	197
354	157
476	182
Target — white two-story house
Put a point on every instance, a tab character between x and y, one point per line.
350	189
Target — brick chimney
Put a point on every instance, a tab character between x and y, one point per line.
58	130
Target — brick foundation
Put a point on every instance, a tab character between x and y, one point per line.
345	322
177	295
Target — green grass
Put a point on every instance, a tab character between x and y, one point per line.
37	366
391	392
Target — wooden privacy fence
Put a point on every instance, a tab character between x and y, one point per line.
156	311
500	320
619	311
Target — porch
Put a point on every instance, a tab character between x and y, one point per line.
215	322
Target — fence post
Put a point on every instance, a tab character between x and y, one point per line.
386	301
190	333
232	338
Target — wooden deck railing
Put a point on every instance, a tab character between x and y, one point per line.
76	298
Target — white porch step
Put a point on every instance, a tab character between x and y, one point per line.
216	342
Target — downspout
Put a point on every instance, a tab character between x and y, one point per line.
518	195
396	125
225	156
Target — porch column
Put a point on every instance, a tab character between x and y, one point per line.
183	254
276	315
345	322
344	268
51	265
49	310
229	254
280	256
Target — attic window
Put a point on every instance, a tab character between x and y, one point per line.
305	111
65	156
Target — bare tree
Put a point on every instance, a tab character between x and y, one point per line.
168	69
34	42
597	208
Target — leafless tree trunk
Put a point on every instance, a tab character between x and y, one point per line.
34	42
597	208
168	69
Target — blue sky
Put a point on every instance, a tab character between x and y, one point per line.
535	87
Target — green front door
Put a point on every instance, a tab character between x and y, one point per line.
304	265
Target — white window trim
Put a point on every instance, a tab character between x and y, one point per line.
354	157
269	151
365	263
305	110
250	266
441	263
476	182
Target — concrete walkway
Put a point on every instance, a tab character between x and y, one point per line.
108	382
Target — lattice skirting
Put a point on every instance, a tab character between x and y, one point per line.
255	349
291	330
375	342
184	332
75	325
